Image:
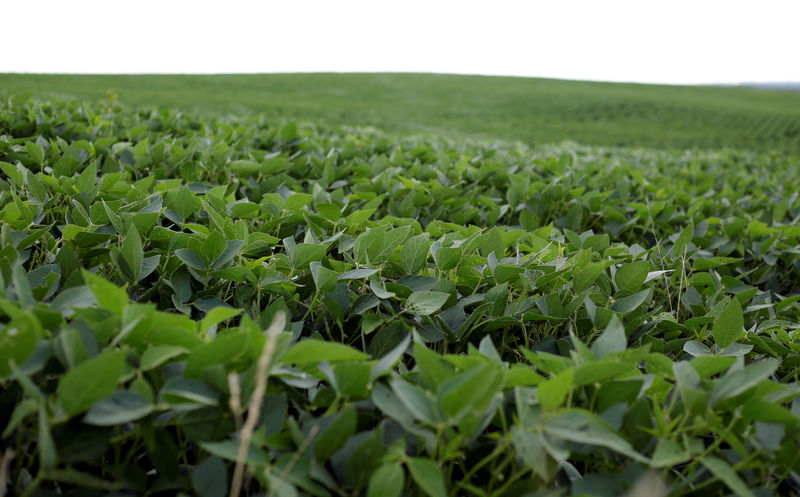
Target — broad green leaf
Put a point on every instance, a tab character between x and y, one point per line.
191	259
497	298
727	475
683	241
216	316
630	303
229	450
768	412
131	255
668	453
87	179
108	295
425	303
120	407
224	349
387	481
631	276
552	392
324	278
155	356
447	257
17	341
579	426
599	371
244	167
390	359
335	435
35	151
415	252
428	476
90	381
304	253
586	276
741	380
357	274
313	351
613	339
16	176
180	391
47	449
730	324
210	478
416	400
22	410
472	389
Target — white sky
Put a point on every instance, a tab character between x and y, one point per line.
665	41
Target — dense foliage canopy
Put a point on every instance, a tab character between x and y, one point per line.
464	318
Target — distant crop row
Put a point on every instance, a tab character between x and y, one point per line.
460	318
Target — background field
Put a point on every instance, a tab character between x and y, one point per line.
534	111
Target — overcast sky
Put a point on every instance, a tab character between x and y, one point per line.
650	41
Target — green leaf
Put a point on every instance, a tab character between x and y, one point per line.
335	435
552	392
586	276
232	248
447	257
390	359
191	259
324	278
416	400
387	481
312	351
16	176
90	381
668	453
297	200
497	298
530	447
729	325
35	151
727	475
47	448
244	167
120	407
741	380
158	355
131	255
216	316
210	478
87	179
768	412
224	349
229	449
304	253
631	276
22	286
17	342
577	425
186	391
683	241
612	339
470	392
109	296
357	274
630	303
415	252
425	303
600	371
428	476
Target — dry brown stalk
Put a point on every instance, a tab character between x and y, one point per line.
254	406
